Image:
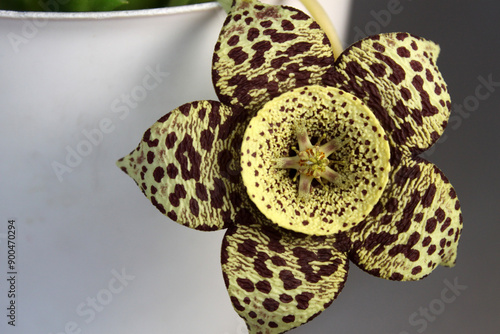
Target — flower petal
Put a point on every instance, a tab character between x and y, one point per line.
415	226
265	50
277	279
396	75
187	164
362	160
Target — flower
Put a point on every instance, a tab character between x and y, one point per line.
359	121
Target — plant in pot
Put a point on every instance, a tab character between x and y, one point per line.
281	271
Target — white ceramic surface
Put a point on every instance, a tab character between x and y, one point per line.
77	91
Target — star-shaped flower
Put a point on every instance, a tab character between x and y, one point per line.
308	162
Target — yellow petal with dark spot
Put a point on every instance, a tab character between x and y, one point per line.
188	165
396	76
265	50
414	228
278	279
362	160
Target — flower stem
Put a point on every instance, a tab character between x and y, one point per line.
321	17
226	4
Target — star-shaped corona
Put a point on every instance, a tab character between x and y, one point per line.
311	162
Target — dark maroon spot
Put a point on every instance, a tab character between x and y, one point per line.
278	62
396	277
218	194
377	69
270	304
159	206
289	280
194	207
416	270
201	191
278	37
426	241
303	300
186	151
238	55
260	49
402	36
266	24
179	193
428	197
248	248
170	140
245	284
398	73
431	249
405	93
263	286
446	224
284	298
185	108
440	215
150	157
147	139
416	65
172	215
272	324
252	34
428	75
252	314
172	171
299	15
278	261
236	304
233	40
206	139
298	48
288	319
403	52
287	25
400	109
164	118
262	269
158	174
379	47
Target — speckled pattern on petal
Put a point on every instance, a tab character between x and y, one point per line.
363	147
264	50
187	164
278	279
414	228
397	77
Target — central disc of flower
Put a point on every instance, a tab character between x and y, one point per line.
311	162
347	131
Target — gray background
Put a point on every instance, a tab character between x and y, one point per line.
467	32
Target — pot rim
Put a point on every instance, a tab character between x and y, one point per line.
10	14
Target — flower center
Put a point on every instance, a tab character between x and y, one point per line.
311	162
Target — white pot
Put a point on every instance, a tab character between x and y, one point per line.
92	255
